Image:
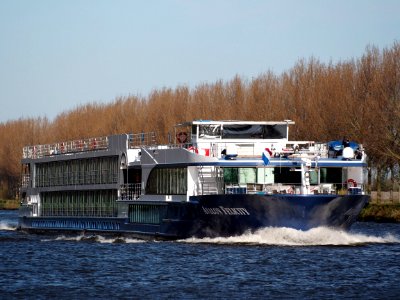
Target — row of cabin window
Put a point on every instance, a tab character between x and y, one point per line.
79	203
102	170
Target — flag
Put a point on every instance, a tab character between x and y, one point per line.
266	155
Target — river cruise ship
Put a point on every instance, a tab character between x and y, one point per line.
212	178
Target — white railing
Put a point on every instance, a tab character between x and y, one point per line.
252	150
293	188
81	145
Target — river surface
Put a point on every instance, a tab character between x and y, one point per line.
272	263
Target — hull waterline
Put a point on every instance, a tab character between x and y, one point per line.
221	215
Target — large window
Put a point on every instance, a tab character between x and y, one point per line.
282	175
209	131
331	175
287	175
247	175
101	203
275	131
254	131
146	213
100	170
293	176
231	175
242	132
167	181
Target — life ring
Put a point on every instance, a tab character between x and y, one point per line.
181	137
351	182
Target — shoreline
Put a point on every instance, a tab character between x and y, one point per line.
7	204
380	213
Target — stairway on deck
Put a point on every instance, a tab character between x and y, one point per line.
210	179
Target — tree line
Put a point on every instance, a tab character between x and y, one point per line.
357	98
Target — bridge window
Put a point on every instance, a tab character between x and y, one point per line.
277	131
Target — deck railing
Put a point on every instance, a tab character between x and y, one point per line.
25	180
142	139
81	145
252	150
130	191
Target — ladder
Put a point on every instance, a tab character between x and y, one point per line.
211	180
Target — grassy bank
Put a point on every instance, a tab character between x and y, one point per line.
381	213
9	204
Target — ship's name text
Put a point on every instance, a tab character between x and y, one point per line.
231	211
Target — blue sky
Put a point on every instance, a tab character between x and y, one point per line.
57	55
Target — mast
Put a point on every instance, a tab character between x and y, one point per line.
305	176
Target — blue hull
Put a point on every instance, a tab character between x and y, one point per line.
235	214
217	215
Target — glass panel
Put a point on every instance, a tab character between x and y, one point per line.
167	181
79	203
287	175
209	131
265	175
275	131
242	132
331	175
247	175
313	177
231	175
248	131
146	213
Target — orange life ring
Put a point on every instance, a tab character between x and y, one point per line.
351	182
181	137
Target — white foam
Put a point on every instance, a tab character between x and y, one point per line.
4	225
95	238
118	240
291	237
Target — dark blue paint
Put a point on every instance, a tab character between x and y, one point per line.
221	215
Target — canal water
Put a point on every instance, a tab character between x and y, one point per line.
269	264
